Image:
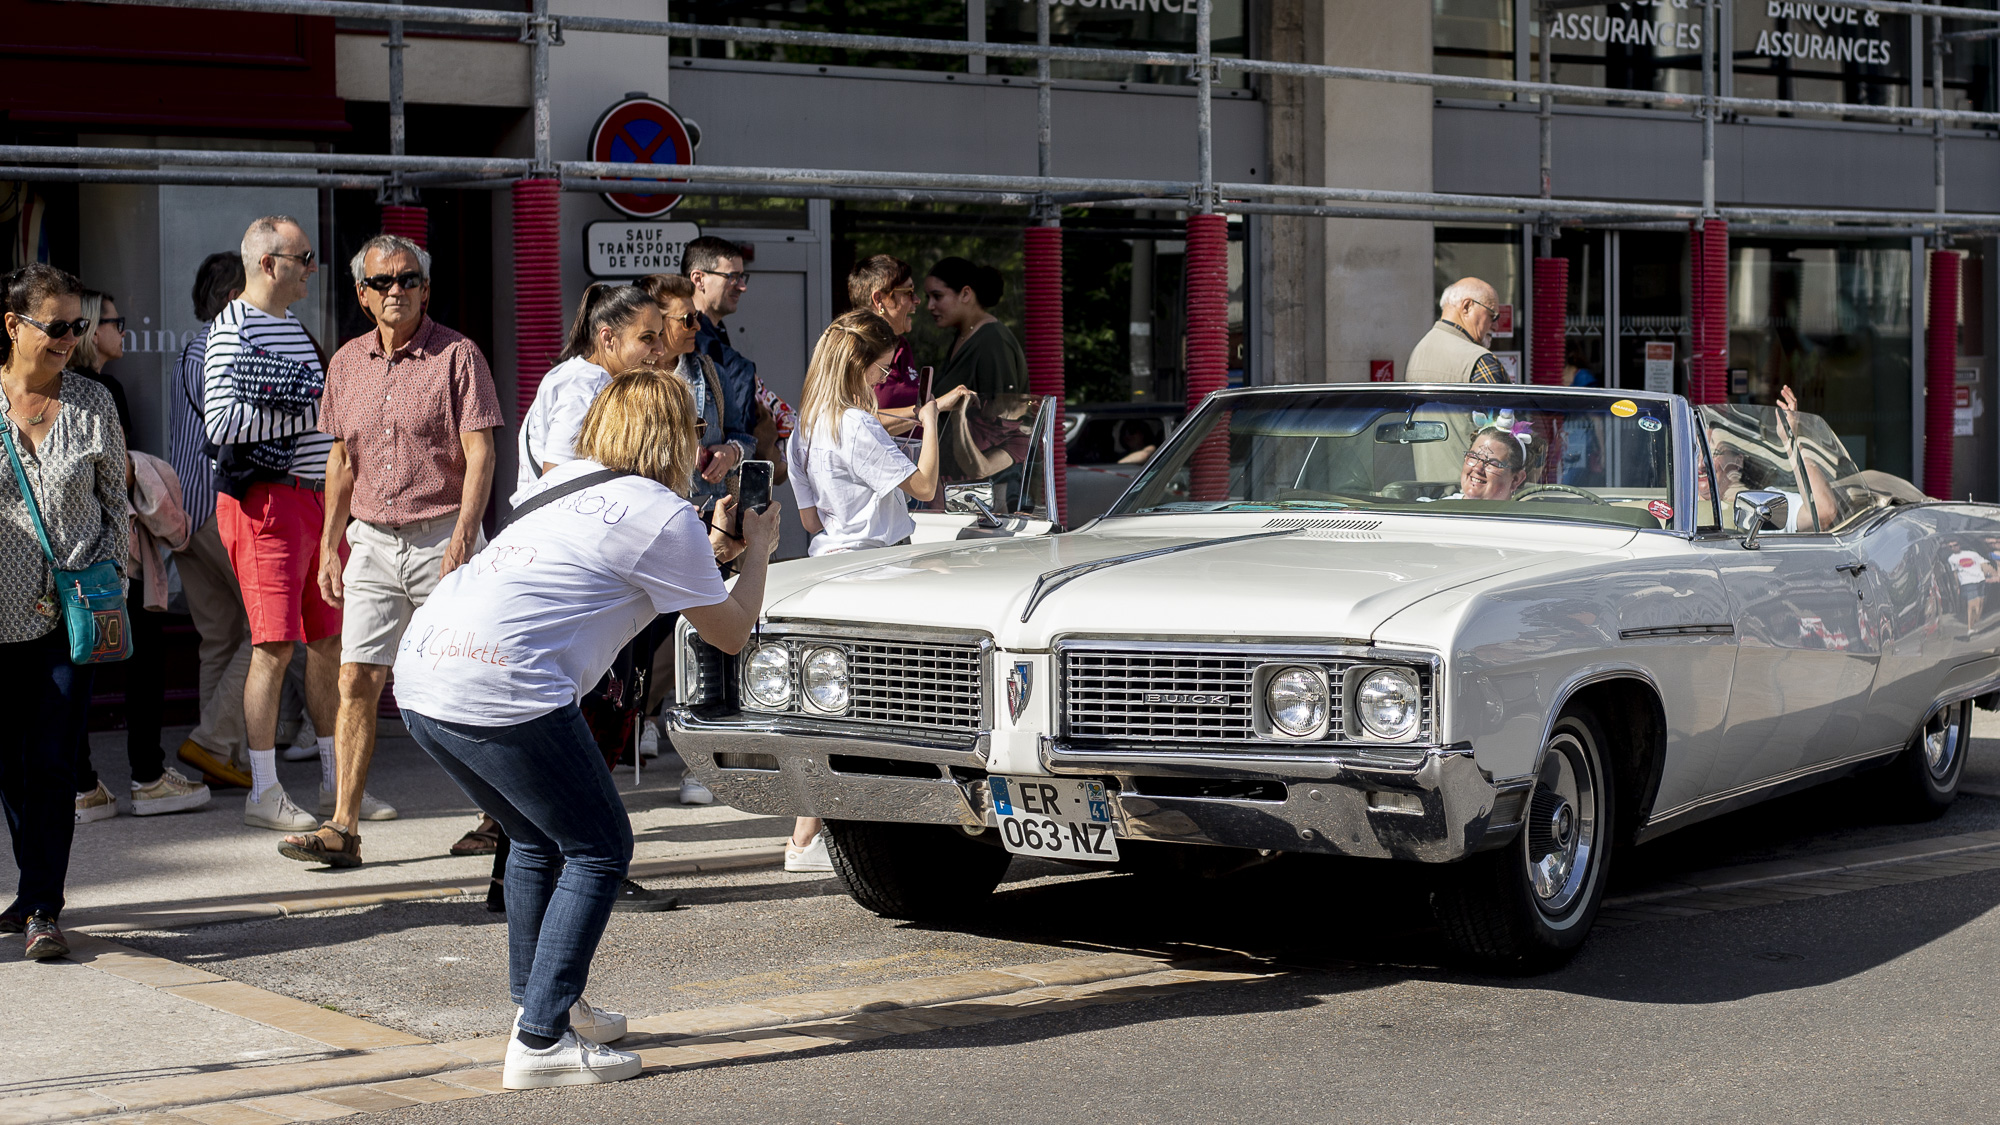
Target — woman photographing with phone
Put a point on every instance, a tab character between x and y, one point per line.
492	666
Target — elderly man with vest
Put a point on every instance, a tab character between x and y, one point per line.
1454	351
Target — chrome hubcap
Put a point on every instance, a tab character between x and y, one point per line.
1562	824
1941	740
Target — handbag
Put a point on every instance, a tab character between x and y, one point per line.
93	599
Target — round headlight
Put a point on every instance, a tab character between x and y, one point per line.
767	677
1295	699
1387	704
825	679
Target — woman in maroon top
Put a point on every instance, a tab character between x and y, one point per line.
885	286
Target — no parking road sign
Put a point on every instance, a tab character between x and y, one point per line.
641	130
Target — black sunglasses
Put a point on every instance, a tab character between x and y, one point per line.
60	328
688	320
381	282
117	322
304	259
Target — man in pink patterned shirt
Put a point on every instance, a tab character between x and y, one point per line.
412	409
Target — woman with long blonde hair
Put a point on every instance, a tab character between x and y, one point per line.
848	473
491	669
850	476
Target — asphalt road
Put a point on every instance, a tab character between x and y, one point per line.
1874	1005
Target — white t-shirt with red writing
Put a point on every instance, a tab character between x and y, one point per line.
533	621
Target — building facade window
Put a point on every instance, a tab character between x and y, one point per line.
1821	53
1830	319
1639	45
1163	25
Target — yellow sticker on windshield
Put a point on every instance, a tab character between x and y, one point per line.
1624	408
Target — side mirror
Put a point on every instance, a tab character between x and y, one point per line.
1758	511
972	499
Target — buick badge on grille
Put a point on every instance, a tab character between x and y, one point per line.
1189	699
1020	684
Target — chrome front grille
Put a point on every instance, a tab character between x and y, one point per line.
1130	696
1129	693
922	685
932	685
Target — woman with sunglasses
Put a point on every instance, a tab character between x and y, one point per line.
65	432
675	295
883	285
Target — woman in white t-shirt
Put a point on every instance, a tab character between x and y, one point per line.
848	473
492	666
617	327
850	476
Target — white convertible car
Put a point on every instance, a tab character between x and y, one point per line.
1508	631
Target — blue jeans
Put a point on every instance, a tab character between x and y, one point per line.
51	704
546	784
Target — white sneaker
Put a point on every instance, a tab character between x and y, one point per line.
307	753
590	1022
695	793
649	741
570	1062
277	811
812	857
371	809
171	793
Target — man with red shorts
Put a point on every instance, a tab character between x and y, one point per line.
262	380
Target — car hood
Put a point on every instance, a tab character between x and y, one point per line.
1318	582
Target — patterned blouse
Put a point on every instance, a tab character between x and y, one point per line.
78	477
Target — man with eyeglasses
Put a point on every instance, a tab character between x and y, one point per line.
716	268
1456	349
262	378
412	409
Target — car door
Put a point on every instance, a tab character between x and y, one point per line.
1806	651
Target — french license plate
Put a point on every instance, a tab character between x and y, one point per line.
1060	818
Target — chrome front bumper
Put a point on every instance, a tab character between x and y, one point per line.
1432	806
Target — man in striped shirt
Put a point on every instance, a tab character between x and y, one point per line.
262	381
215	746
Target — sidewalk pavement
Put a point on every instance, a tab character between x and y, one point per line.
174	870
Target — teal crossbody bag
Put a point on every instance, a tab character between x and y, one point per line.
92	599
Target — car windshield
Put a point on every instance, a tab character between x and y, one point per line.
1582	457
1772	449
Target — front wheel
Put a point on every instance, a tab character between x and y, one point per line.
915	872
1928	770
1526	907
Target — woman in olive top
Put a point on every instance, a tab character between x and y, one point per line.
985	357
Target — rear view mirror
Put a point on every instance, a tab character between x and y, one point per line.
1410	433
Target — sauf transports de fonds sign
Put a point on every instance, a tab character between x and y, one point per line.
628	248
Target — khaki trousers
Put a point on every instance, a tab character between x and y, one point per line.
215	601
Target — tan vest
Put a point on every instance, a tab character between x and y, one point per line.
1444	355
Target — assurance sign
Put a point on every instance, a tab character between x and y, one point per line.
628	248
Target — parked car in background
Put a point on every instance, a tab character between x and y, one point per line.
1505	633
1106	444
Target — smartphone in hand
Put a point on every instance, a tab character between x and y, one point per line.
753	493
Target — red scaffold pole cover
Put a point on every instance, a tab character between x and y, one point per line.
538	312
1940	372
1044	313
1551	278
413	223
1708	327
1208	346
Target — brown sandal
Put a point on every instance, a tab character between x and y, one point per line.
484	839
316	846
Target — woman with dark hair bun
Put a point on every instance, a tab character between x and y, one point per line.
985	356
65	432
617	327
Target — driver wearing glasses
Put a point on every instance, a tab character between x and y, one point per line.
1495	468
